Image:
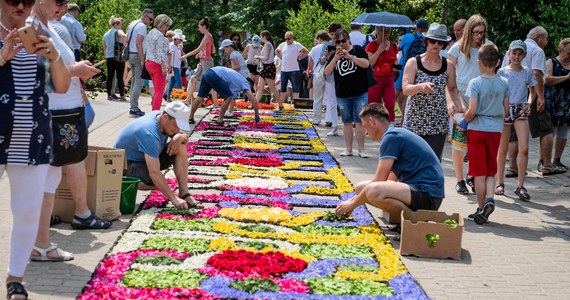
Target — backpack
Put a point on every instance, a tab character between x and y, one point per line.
416	48
118	48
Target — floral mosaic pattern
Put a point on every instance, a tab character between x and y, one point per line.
268	230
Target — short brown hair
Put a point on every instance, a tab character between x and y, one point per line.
375	110
489	55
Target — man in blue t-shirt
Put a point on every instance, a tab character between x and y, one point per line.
153	143
414	171
225	82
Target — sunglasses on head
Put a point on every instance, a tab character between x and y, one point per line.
26	3
441	43
338	42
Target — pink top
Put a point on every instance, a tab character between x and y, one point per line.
206	52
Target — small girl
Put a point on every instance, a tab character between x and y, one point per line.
520	79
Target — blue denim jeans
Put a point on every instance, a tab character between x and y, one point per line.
351	107
175	82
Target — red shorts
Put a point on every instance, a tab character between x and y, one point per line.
482	149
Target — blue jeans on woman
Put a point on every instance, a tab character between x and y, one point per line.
175	82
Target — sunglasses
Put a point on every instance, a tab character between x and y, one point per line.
26	3
433	42
288	38
338	42
62	3
149	18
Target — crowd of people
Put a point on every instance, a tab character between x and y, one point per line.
448	88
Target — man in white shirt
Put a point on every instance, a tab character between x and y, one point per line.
356	36
136	35
291	53
75	28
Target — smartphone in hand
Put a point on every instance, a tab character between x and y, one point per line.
338	49
29	38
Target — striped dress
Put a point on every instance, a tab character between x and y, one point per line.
25	134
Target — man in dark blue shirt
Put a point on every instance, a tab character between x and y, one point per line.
409	175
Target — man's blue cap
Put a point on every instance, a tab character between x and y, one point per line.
422	23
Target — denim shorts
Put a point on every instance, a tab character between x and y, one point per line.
351	107
211	80
294	77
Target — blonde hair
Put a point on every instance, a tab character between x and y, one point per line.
465	42
114	20
170	33
563	43
161	20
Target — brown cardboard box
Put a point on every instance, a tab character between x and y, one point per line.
416	225
104	167
390	218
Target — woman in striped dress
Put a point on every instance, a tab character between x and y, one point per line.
25	133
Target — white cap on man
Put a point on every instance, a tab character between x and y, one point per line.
180	112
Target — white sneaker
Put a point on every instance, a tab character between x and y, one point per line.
332	133
229	114
346	153
363	154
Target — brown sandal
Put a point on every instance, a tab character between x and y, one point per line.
522	193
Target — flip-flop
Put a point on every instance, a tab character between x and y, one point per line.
194	204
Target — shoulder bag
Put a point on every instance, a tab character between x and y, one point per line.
126	51
119	48
69	136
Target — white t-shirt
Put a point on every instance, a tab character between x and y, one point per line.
72	98
316	54
243	70
140	29
289	56
465	70
174	51
357	38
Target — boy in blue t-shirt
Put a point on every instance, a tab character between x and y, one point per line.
520	80
488	104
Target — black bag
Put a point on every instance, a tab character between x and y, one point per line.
69	136
126	49
118	49
370	77
145	74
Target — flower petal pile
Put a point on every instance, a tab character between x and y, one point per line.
268	230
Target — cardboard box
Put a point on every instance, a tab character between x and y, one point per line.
104	167
417	225
390	218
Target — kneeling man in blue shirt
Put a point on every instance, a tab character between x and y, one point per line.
418	181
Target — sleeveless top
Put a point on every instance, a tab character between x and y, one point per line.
251	53
206	52
25	131
427	114
557	97
270	60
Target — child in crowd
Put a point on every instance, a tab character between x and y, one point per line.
488	103
520	79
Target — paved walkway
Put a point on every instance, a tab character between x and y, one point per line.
522	253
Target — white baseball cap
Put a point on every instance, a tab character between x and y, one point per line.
225	43
180	112
178	37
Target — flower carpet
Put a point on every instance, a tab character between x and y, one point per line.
268	230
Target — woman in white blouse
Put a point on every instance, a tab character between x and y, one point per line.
157	63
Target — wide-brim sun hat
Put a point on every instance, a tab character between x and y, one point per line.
437	32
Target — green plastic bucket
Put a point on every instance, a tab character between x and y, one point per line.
129	189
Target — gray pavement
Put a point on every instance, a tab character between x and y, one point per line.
522	253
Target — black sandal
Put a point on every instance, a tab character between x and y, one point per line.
15	288
55	219
191	121
194	204
522	193
93	222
